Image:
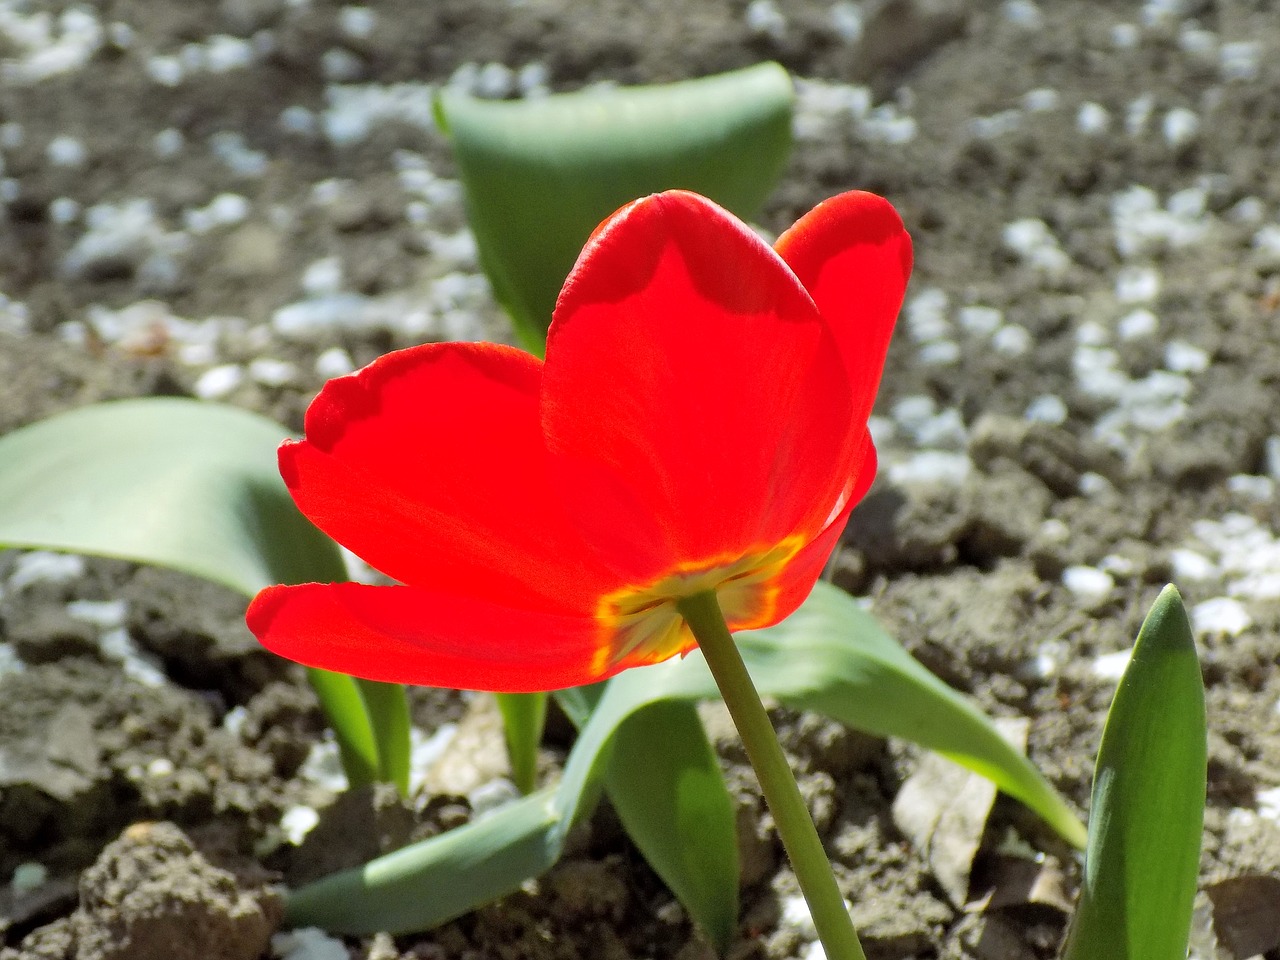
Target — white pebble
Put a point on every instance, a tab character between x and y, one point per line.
340	66
1093	119
1092	334
1201	44
308	943
492	796
1138	114
939	353
1048	408
1183	357
322	276
1092	484
1188	564
1118	565
357	22
926	315
495	81
165	70
1240	61
28	877
64	210
297	822
764	18
1137	324
122	35
1088	583
224	53
1252	486
846	20
160	767
1023	13
1271	456
168	143
1137	284
66	151
1180	126
224	210
1124	36
297	119
1111	666
1248	210
1224	615
219	382
980	320
273	373
104	614
1267	240
1040	100
229	147
43	566
1013	340
532	79
931	467
334	362
795	915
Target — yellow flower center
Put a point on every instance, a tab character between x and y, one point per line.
642	625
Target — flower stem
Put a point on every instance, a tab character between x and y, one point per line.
799	836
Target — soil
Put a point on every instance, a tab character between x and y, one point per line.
1079	407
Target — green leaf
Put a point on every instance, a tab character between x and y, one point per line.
163	481
540	175
834	658
664	781
523	717
830	655
1147	812
387	709
193	487
425	884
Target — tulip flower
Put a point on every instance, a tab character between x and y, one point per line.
699	425
680	467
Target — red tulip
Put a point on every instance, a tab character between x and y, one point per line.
700	423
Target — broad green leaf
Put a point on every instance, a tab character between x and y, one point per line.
185	485
423	885
541	174
673	803
830	655
523	717
163	481
664	782
1147	811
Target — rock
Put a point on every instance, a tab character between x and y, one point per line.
152	896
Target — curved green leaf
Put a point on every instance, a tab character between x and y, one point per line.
1147	811
830	655
541	174
164	481
423	885
665	784
193	487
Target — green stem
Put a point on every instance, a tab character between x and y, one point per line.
795	826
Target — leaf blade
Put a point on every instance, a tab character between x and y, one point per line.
540	175
1147	813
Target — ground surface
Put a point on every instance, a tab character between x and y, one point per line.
236	200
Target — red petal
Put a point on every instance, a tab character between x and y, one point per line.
694	402
406	635
429	464
853	255
806	566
